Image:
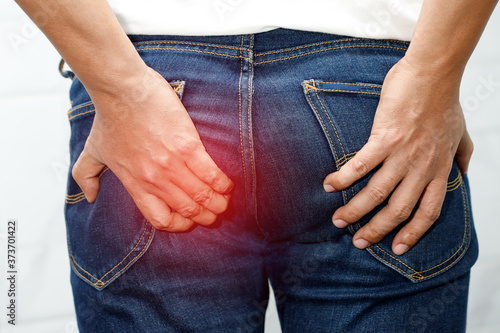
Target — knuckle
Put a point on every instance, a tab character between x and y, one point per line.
164	161
359	167
162	223
431	214
190	211
410	237
374	234
430	161
204	197
212	178
378	194
402	212
149	175
186	145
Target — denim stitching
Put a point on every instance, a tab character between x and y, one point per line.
353	84
99	283
451	186
324	126
331	48
322	43
350	91
79	107
72	201
239	121
76	198
188	43
336	133
177	87
331	123
250	136
328	135
467	226
191	50
81	114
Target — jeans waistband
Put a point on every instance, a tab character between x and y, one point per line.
261	47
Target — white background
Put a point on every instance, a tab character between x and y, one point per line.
34	133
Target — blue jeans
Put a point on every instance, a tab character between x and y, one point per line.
277	111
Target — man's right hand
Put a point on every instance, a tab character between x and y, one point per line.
145	136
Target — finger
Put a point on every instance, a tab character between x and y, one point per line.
160	215
178	200
86	173
205	168
399	209
427	213
363	162
464	152
200	192
376	192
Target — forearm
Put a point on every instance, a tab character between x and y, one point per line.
89	38
447	33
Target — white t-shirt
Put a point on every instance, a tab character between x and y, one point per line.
392	19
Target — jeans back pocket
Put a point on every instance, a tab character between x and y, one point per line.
107	237
345	112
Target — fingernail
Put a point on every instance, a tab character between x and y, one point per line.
361	244
400	249
340	223
329	188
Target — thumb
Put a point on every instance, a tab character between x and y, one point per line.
464	152
86	172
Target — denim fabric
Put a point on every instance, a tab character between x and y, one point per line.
277	111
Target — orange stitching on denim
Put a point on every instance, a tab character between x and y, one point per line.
310	87
189	50
239	121
177	87
453	185
136	245
331	122
353	84
331	48
313	87
322	43
78	271
467	226
310	45
79	107
99	282
350	91
131	261
324	126
249	124
81	114
76	198
188	43
456	180
73	195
